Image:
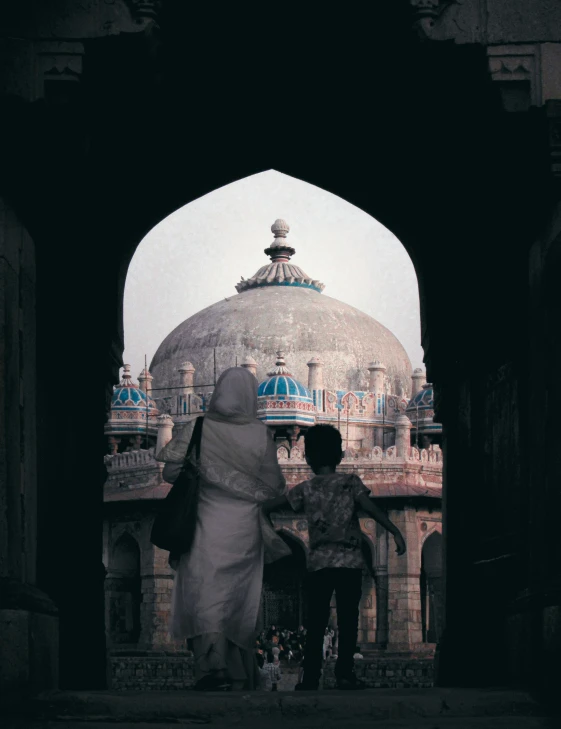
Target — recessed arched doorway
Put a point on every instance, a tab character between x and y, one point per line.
431	588
123	592
284	603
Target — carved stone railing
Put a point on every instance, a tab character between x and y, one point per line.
432	455
131	459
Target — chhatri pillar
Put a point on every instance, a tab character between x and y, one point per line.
145	381
418	379
402	436
376	377
165	428
315	382
250	364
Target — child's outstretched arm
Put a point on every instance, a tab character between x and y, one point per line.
366	504
279	502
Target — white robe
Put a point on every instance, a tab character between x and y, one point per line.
217	588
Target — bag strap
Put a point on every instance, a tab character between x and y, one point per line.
195	441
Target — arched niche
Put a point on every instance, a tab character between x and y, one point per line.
123	591
283	599
431	587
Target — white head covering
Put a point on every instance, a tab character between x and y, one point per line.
237	450
234	399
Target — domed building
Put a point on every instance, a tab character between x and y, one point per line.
316	360
132	419
282	308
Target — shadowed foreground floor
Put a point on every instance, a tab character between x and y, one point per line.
436	708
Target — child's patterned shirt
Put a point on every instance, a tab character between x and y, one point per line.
329	503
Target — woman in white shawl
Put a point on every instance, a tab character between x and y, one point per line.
217	587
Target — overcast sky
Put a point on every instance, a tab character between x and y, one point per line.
197	255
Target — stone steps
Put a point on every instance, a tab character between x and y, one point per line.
377	707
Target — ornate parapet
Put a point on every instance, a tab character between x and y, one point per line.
133	470
132	459
366	456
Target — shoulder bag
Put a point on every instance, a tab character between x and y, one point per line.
176	521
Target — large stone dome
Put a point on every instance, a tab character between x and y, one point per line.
281	308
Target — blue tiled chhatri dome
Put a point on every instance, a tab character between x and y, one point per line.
131	398
281	399
420	411
422	400
130	407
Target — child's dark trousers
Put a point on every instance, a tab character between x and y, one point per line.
347	585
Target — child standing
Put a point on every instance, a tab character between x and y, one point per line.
330	501
273	671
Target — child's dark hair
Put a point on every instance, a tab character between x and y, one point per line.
324	446
270	657
260	660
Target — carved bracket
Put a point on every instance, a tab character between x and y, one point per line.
57	61
426	13
517	63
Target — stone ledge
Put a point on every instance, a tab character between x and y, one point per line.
16	595
376	705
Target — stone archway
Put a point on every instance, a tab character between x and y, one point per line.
447	177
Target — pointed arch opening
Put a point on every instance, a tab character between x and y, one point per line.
432	587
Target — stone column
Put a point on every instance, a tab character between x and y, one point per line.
402	437
382	595
165	428
28	618
157	585
315	381
367	619
250	364
405	622
376	379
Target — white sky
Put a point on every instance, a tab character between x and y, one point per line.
196	256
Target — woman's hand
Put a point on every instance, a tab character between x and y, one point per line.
399	543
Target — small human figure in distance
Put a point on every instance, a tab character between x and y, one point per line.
358	655
274	672
331	502
264	683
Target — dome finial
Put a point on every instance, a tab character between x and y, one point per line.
279	250
280	272
280	366
280	228
126	377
